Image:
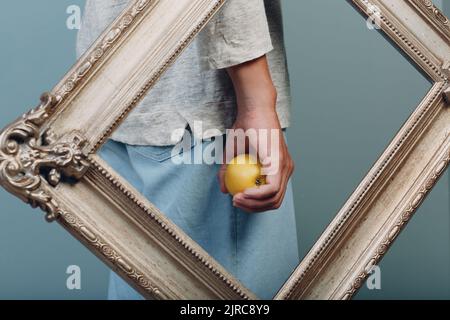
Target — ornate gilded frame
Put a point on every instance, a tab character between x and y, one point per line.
48	159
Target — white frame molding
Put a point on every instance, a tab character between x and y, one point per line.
48	159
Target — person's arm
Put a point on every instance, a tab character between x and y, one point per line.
256	100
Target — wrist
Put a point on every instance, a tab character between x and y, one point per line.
259	101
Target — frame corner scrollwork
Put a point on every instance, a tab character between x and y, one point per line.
31	161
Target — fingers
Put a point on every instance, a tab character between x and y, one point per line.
274	183
254	206
263	199
266	191
266	197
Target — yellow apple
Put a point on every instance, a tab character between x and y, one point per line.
243	172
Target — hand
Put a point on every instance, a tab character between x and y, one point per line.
269	146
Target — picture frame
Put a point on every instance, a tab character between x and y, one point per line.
48	158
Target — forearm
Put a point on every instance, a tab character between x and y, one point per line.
256	99
255	91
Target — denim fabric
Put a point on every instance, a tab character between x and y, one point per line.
258	249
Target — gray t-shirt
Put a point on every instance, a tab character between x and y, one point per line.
196	89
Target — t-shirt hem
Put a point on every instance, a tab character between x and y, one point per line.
236	59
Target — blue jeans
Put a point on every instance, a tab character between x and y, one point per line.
260	250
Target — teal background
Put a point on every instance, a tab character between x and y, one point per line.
351	90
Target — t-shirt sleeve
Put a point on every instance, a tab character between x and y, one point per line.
238	33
